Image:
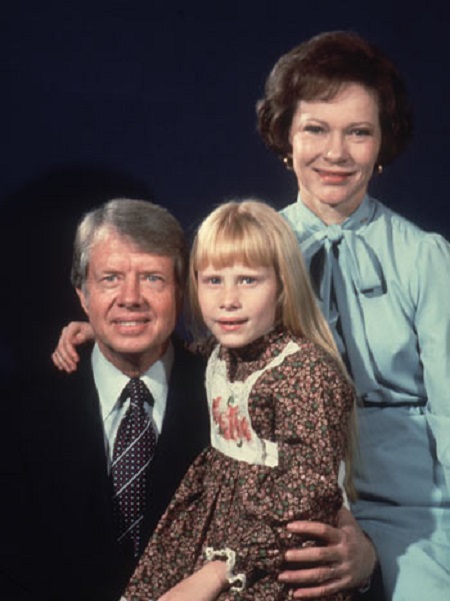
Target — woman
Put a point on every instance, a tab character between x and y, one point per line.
335	111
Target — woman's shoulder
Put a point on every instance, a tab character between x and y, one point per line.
402	230
401	246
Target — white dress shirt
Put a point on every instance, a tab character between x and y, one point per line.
110	383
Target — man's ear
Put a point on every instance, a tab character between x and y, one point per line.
83	300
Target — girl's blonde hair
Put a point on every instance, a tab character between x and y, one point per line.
253	233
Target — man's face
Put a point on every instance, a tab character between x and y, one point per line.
130	298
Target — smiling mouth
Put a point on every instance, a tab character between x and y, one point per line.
334	176
131	322
231	324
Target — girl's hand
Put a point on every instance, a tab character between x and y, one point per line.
204	585
65	357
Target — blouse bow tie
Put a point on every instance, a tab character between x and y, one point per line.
352	253
345	272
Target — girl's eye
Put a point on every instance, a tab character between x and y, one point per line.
213	280
248	279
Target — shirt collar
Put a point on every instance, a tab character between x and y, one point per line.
110	382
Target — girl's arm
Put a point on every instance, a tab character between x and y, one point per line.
204	585
65	356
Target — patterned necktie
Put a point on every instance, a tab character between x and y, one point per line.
134	448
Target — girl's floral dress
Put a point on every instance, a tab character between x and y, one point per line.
279	410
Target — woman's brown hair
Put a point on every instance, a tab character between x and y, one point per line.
317	70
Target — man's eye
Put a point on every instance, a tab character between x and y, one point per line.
154	281
111	277
154	278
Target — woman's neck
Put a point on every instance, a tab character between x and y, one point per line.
332	214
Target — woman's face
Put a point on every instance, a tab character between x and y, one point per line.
335	145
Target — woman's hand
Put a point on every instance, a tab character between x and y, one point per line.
347	559
204	585
65	356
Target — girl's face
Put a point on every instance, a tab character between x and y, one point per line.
335	145
238	303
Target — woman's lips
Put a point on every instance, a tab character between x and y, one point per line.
334	177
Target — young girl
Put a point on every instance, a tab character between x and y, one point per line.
280	406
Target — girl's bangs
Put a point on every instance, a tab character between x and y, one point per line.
226	247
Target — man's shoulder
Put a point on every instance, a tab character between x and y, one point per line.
49	389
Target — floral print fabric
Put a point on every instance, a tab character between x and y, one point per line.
302	405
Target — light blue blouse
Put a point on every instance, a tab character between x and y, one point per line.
384	286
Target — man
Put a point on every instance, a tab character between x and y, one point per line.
64	532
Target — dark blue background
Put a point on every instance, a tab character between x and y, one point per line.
156	99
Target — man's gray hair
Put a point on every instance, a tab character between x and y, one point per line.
148	226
